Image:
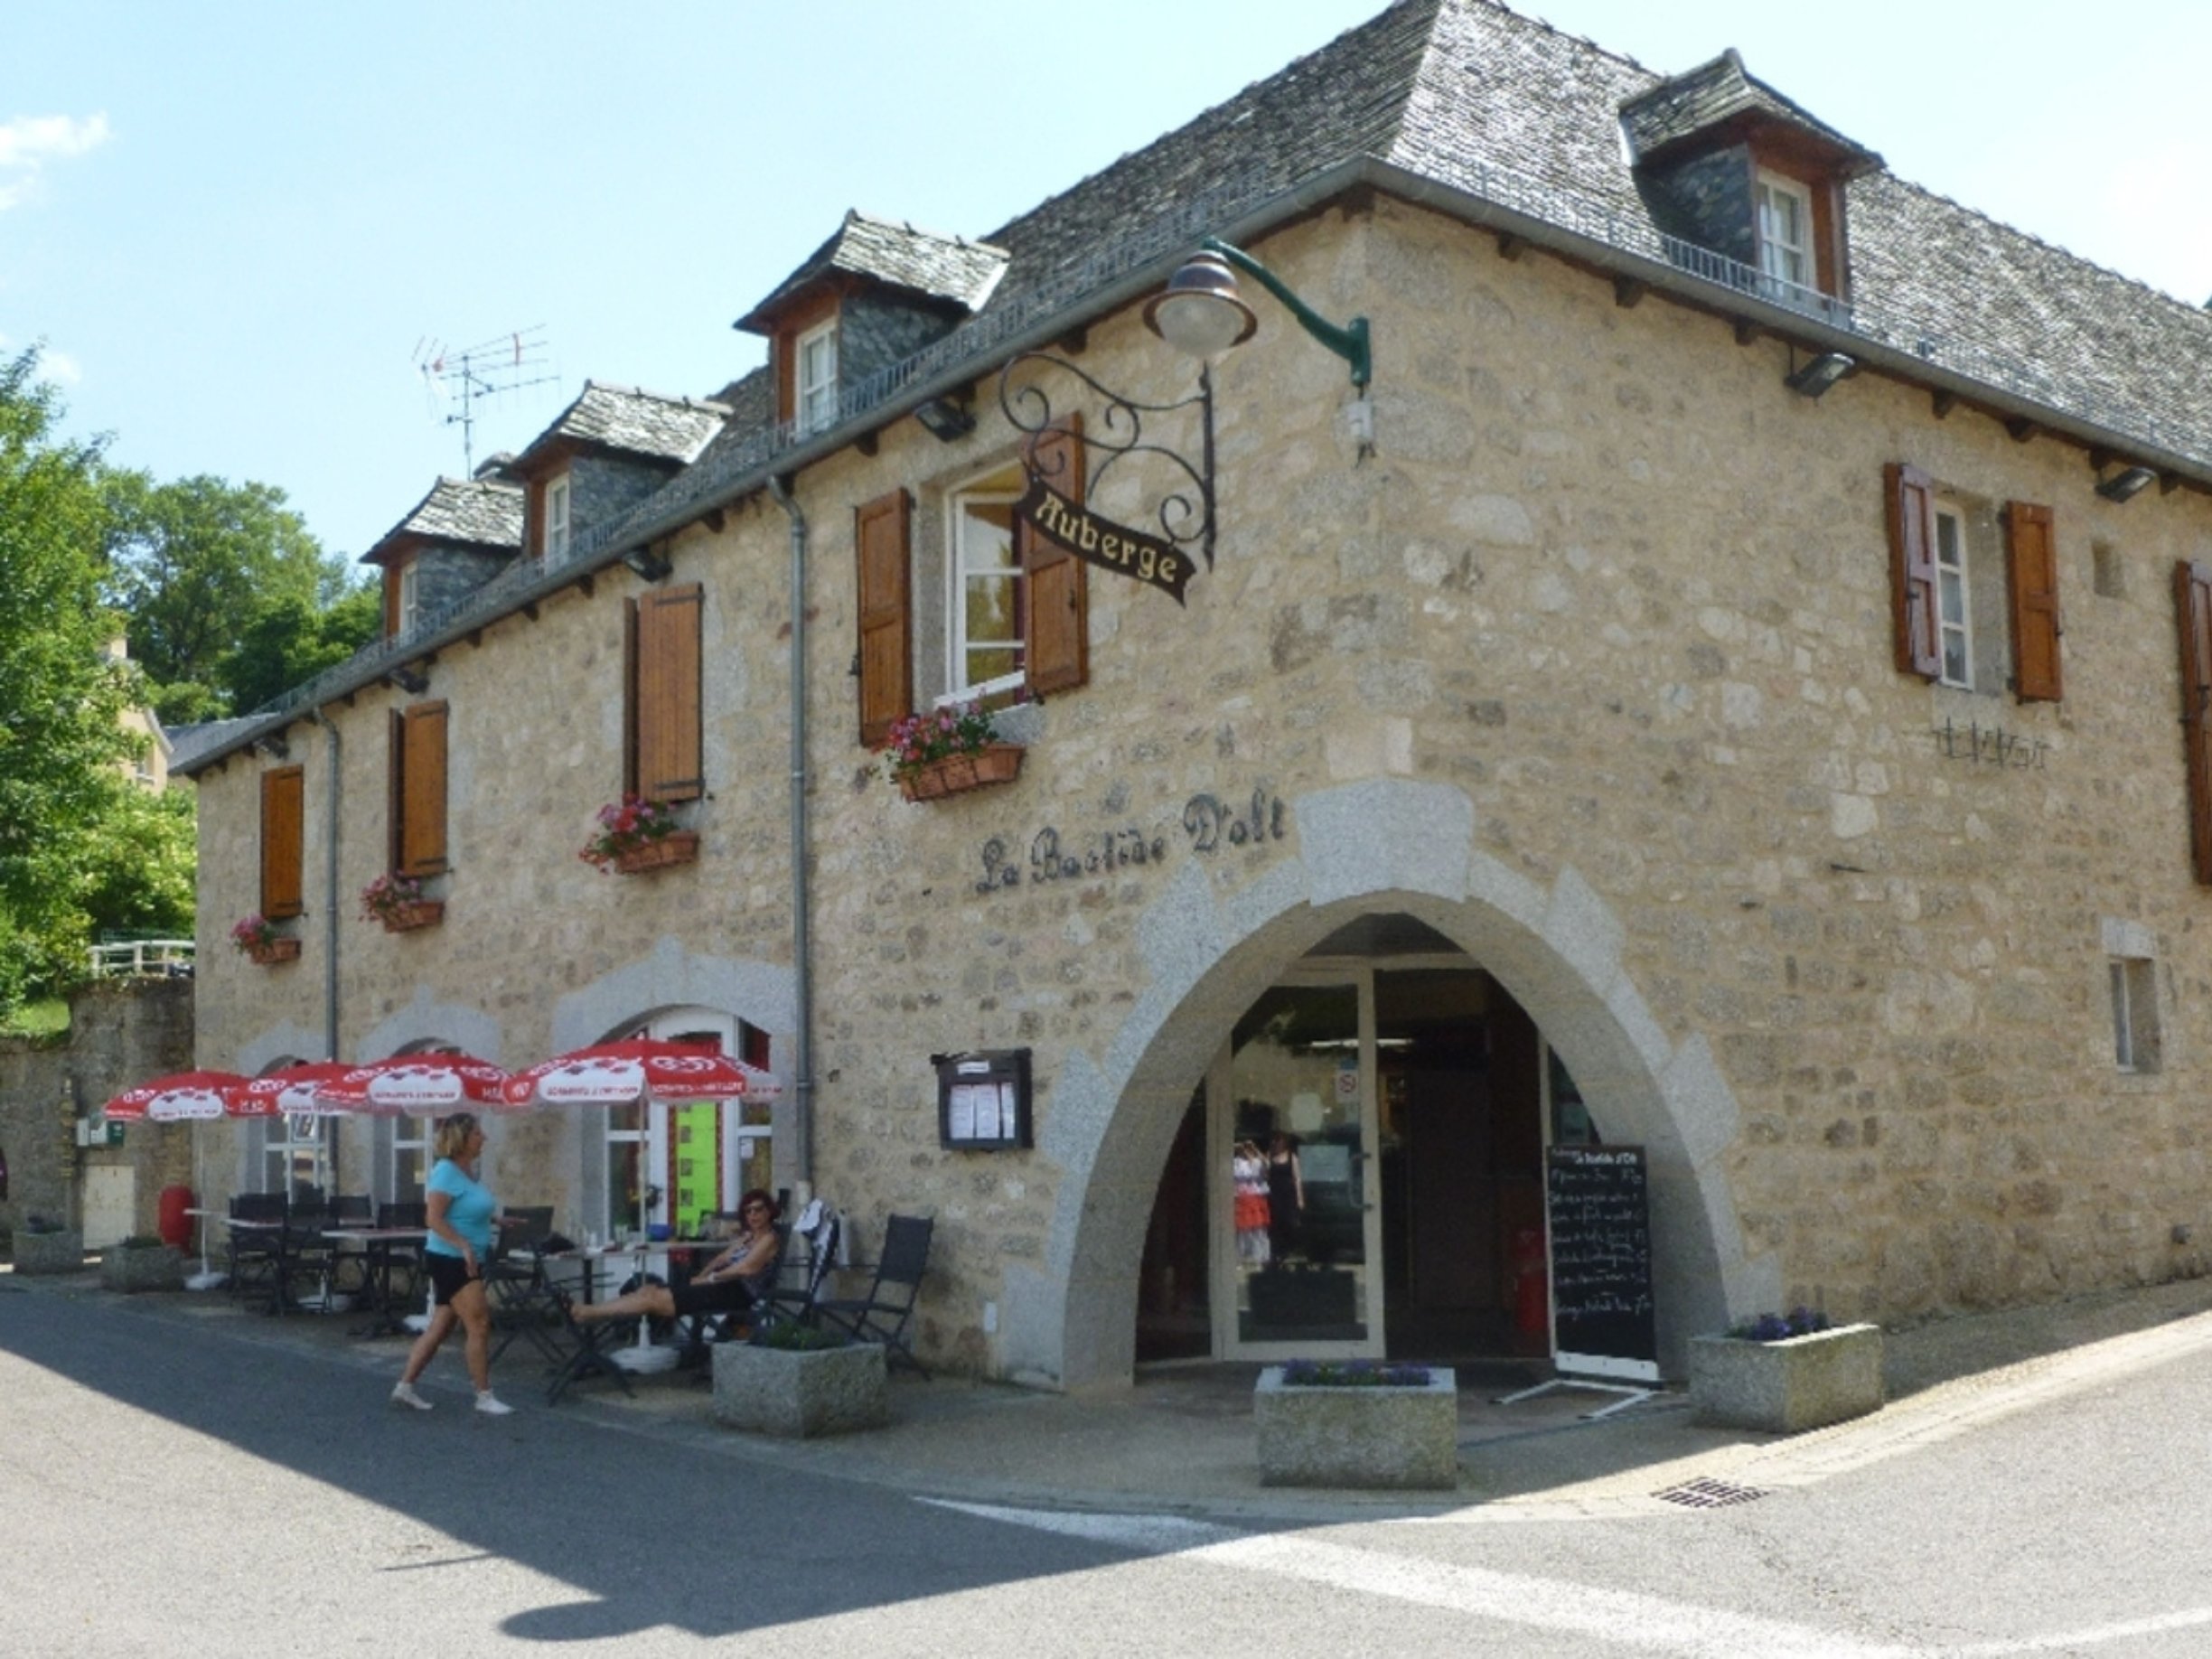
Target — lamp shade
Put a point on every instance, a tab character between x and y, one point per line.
1200	313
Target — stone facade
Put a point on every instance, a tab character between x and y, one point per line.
1588	667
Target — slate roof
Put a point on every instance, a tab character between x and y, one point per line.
635	422
189	743
942	267
479	512
1685	104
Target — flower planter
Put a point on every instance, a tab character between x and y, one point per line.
143	1267
407	918
1788	1386
275	950
997	763
49	1252
801	1392
1389	1438
680	848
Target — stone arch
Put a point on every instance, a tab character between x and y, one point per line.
1364	848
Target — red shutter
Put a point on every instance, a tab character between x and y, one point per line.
283	827
1055	623
881	532
1912	569
2032	573
422	790
668	763
2193	612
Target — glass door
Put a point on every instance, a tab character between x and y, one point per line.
1293	1173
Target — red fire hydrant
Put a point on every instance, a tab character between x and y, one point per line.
1532	1300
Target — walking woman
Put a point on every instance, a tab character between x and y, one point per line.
462	1215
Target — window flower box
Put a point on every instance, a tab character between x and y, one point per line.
257	939
395	903
1377	1433
948	751
1788	1385
801	1391
997	763
407	918
271	952
678	847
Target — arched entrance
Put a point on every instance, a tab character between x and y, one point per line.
1382	849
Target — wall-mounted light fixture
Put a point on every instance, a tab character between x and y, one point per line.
411	681
1817	375
948	419
647	564
2125	484
273	744
1201	314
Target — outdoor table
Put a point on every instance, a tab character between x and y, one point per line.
588	1358
381	1244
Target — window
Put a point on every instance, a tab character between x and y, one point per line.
282	832
291	1155
417	820
663	753
2134	1006
406	609
1975	589
1785	212
816	390
2193	613
557	520
984	604
402	1145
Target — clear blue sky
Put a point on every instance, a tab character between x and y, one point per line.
234	225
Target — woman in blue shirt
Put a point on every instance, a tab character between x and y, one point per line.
462	1215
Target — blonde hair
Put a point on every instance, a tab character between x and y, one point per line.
452	1134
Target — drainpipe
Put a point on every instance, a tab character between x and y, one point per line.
802	1055
330	908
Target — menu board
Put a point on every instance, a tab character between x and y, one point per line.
1602	1311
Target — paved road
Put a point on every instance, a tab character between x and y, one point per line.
166	1489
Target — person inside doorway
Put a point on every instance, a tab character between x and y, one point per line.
1286	1188
1248	1170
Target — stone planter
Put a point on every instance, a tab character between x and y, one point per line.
49	1252
275	950
407	918
998	763
679	847
1394	1439
1786	1387
792	1391
145	1267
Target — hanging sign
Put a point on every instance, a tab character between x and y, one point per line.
1101	541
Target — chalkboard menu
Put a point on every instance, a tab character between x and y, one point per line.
1601	1284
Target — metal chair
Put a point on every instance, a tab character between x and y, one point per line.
254	1255
883	1314
801	1275
515	1281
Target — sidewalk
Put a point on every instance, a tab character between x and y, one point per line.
1181	1439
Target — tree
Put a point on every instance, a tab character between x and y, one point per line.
288	643
61	741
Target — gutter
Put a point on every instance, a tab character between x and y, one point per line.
802	971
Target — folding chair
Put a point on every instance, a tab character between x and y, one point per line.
349	1263
515	1282
882	1318
255	1253
801	1276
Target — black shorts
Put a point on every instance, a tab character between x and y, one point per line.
447	1275
723	1296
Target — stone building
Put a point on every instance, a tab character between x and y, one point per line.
1711	689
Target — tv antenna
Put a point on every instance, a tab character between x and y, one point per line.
504	363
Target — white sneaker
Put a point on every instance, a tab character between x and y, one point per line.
404	1394
492	1405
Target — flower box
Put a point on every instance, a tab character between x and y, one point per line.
129	1268
1395	1436
61	1251
801	1392
272	950
997	763
405	918
679	847
1788	1386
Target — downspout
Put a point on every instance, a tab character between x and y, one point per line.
802	973
330	907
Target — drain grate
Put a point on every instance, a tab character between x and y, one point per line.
1708	1495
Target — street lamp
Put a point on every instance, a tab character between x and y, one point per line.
1201	314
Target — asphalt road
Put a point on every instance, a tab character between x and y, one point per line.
167	1489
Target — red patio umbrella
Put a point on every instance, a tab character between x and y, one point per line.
414	1085
181	1097
290	1092
640	1068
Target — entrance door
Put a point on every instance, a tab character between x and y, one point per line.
1291	1123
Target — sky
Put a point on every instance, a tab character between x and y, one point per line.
240	229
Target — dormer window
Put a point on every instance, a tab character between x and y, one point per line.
1785	211
557	520
815	354
408	607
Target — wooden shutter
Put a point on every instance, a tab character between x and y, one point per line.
418	790
283	828
882	540
2031	576
1055	619
667	702
629	696
2193	612
1912	569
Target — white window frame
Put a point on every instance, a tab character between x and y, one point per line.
394	1138
1001	485
2133	981
558	498
410	607
814	377
1953	594
1780	258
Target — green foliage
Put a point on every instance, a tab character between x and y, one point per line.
289	642
138	872
46	1017
792	1337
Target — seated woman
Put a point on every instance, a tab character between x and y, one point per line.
740	1274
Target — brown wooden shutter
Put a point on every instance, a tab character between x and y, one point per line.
1912	568
882	540
669	756
1056	622
2031	575
422	790
630	698
2193	612
282	828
